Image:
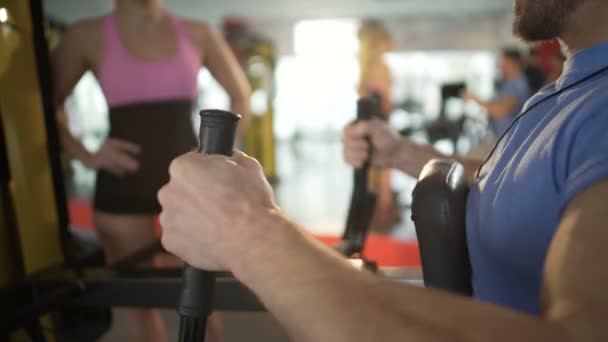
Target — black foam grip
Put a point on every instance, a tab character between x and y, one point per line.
438	211
363	202
218	130
366	107
217	133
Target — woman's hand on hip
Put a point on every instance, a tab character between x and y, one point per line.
115	156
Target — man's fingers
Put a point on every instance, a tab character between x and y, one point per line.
174	201
356	152
163	196
376	125
245	161
357	130
356	159
358	146
240	157
208	173
174	244
179	165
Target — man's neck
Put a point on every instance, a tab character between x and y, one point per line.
586	27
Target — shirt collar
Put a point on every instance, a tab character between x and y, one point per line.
583	63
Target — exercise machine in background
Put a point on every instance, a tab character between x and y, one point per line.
257	56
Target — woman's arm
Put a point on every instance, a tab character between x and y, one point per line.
75	54
69	62
224	67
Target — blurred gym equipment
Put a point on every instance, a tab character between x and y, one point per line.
454	124
258	59
444	127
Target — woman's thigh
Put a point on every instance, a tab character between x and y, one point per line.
122	235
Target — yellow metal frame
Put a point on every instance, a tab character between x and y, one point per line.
259	139
22	115
31	189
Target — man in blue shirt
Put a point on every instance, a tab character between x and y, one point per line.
511	96
537	219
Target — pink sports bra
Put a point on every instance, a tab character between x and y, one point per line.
125	79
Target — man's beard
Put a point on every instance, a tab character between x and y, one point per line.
539	20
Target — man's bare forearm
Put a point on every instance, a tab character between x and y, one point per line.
411	158
318	296
498	109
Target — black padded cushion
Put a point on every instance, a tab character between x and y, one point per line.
438	211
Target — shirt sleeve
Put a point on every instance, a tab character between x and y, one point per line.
508	89
586	156
516	89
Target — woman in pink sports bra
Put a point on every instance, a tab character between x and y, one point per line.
146	61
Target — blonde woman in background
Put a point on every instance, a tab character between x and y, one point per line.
374	42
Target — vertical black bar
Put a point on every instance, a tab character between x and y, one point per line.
363	201
45	78
366	108
8	209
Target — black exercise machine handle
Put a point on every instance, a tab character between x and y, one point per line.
366	109
363	201
217	134
439	214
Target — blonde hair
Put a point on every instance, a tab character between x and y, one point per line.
373	31
372	35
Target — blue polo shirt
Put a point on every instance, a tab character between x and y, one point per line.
555	151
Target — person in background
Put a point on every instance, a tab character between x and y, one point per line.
374	43
375	81
534	71
513	93
146	61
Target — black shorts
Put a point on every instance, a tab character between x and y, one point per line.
164	131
